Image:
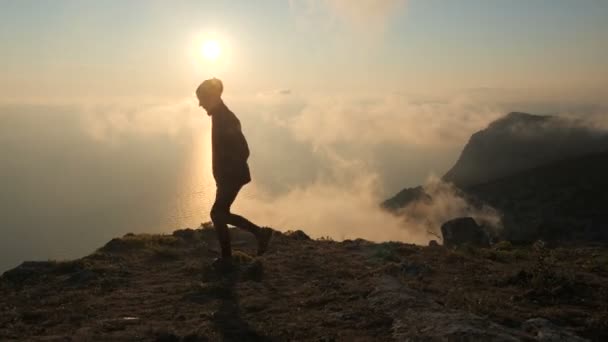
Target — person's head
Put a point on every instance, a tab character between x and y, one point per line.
209	94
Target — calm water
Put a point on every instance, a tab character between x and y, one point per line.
71	179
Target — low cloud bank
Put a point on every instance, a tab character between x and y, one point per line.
445	202
330	121
319	163
338	188
326	209
340	205
348	211
324	163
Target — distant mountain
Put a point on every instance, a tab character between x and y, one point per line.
521	141
545	174
405	196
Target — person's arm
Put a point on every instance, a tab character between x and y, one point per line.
233	143
240	149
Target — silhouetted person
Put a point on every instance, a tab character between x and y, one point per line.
230	169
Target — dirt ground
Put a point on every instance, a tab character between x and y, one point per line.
160	287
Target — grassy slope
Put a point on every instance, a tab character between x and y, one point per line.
304	290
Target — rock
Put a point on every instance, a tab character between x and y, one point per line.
298	235
34	316
416	317
355	244
118	324
194	337
252	271
503	246
118	245
545	331
167	337
464	230
414	269
241	258
187	234
28	270
82	278
433	243
207	226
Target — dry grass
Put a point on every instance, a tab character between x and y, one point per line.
301	290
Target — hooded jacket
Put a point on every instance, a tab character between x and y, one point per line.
229	148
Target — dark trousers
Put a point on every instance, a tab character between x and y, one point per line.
222	217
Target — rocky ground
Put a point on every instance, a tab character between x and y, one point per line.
160	287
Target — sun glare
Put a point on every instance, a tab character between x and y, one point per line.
211	50
210	53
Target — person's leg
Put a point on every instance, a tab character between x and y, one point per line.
263	235
229	194
219	215
242	223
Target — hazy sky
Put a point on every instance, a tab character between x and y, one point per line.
77	49
343	103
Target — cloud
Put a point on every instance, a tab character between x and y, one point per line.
365	16
320	163
340	194
346	136
346	133
445	204
112	123
273	93
595	117
330	121
344	205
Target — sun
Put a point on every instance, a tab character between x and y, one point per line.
211	50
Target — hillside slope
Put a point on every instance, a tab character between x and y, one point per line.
158	287
563	200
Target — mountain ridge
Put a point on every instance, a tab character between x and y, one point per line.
521	144
520	141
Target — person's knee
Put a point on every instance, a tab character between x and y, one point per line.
218	216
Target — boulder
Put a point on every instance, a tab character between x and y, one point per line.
298	235
464	230
28	270
186	234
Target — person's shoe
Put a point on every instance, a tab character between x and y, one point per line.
223	265
263	237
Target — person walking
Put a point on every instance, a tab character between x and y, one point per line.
230	170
